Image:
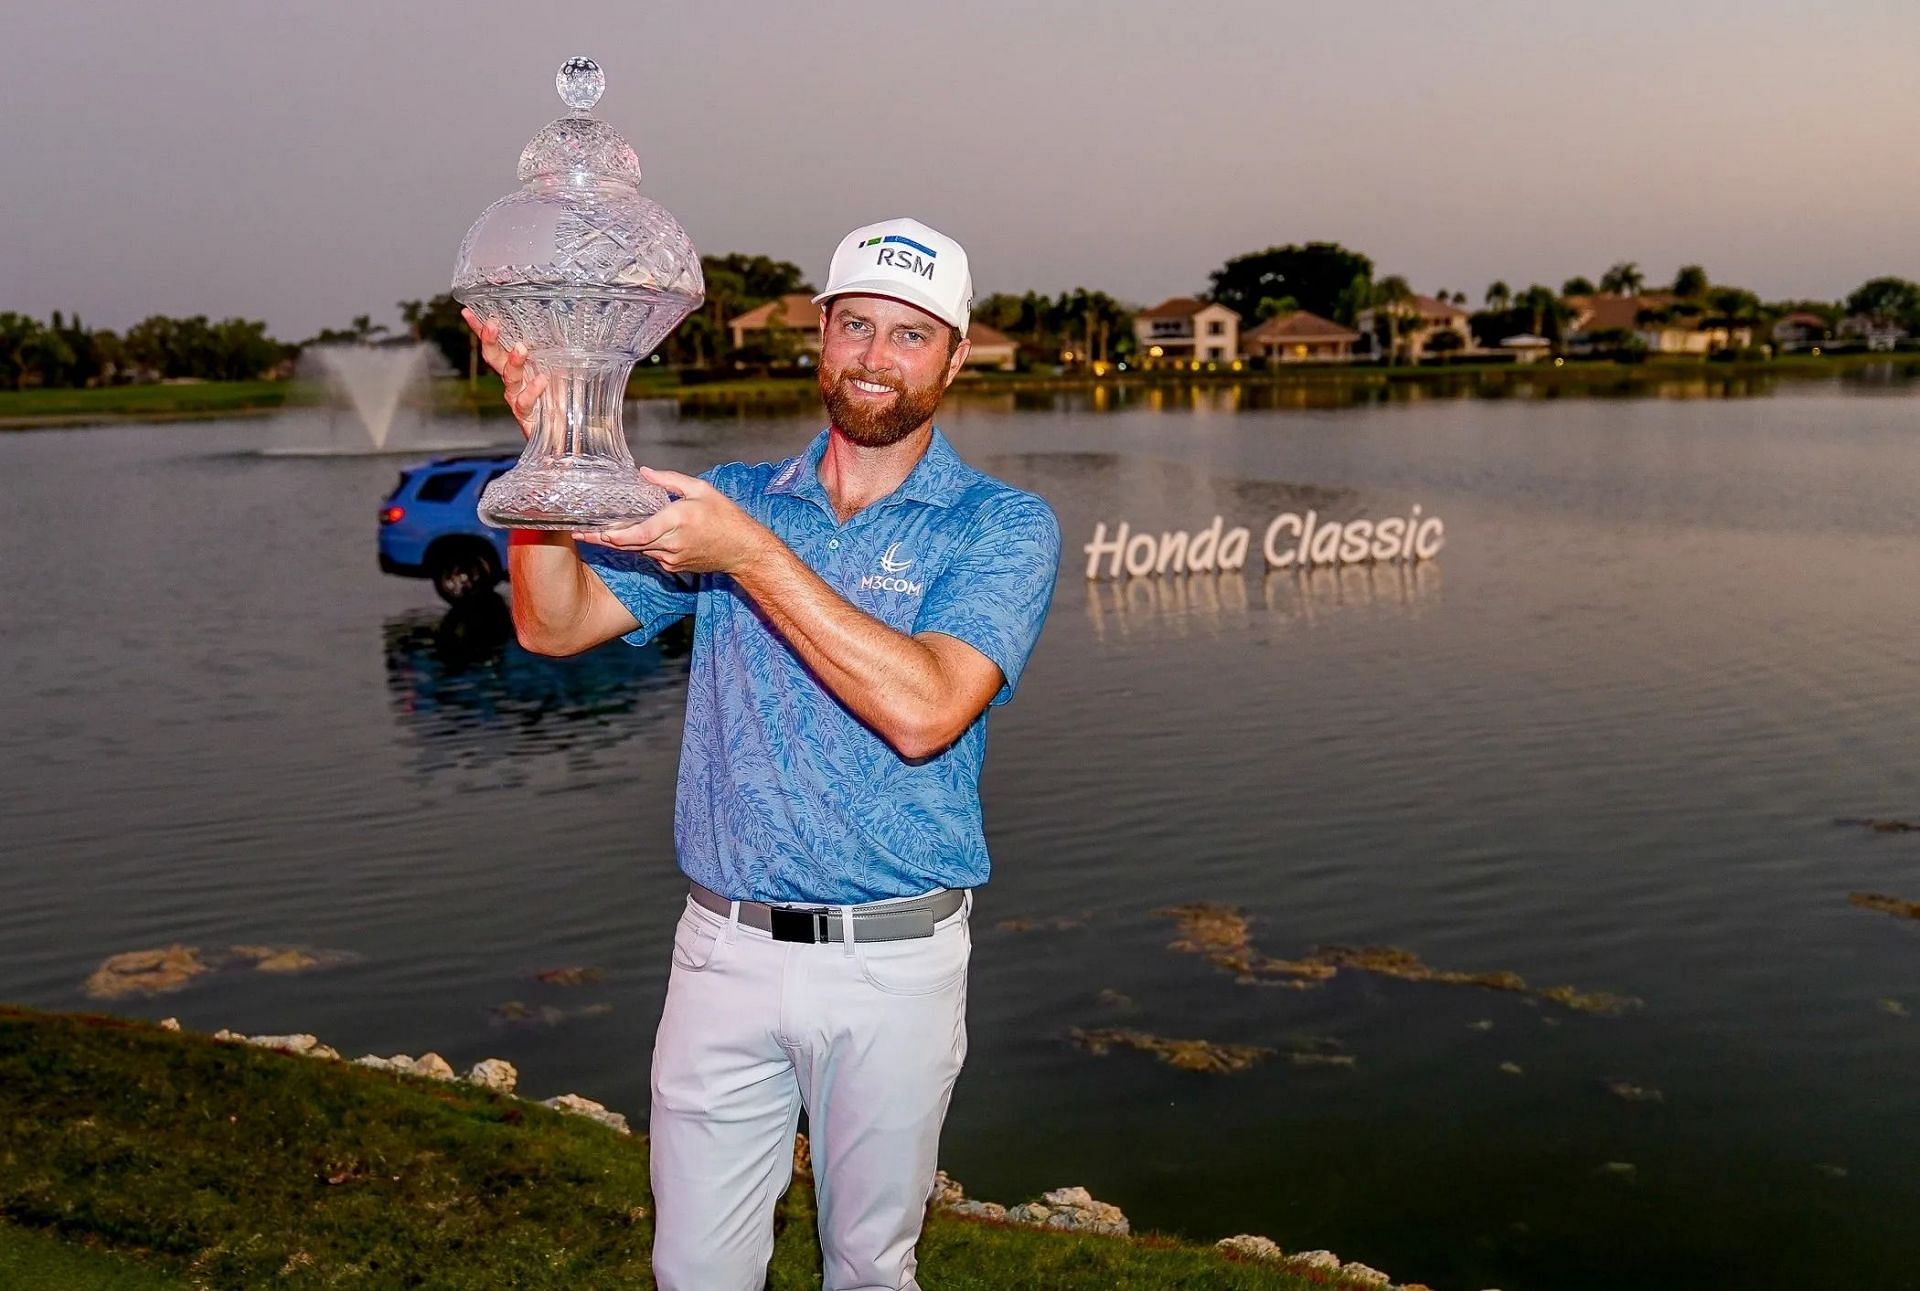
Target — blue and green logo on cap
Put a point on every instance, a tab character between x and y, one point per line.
926	251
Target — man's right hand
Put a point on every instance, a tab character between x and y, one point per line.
523	391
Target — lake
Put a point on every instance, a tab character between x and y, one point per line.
1601	741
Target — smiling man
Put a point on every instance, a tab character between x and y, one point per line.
857	610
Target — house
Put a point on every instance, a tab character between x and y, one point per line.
1421	321
1601	321
792	323
991	348
1878	333
1299	337
793	319
1800	330
1183	331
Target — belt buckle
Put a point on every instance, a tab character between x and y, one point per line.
789	924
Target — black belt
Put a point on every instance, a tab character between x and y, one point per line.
892	921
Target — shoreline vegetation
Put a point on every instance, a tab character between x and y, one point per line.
137	1156
1301	385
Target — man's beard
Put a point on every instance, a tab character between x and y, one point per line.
877	427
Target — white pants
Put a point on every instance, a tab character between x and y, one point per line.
870	1036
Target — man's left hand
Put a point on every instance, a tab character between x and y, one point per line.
701	532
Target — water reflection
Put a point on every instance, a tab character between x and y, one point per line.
1330	389
1214	602
462	685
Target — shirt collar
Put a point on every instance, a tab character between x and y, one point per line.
937	479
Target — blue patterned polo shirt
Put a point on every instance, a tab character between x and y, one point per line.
783	794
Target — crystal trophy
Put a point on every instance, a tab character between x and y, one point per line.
590	276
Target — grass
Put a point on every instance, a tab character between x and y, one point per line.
134	1157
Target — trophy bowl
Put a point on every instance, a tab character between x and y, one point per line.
590	276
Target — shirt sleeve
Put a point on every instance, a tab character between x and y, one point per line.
654	597
995	593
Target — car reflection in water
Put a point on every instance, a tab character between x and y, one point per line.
462	685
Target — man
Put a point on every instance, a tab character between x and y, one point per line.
857	609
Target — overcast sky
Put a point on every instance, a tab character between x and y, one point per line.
303	163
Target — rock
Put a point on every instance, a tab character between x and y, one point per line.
979	1210
1484	1024
1894	1008
1513	1069
493	1073
1831	1170
432	1065
1074	1210
399	1062
802	1157
169	1024
1632	1093
287	1043
1625	1171
588	1108
224	1034
1354	1271
1250	1246
946	1192
1315	1260
145	972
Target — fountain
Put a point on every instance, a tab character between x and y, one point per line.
374	399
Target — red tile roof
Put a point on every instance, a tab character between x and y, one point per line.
1299	326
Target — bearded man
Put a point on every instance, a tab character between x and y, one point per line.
857	610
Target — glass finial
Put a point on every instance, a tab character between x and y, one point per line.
580	82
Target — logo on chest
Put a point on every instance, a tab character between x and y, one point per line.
892	566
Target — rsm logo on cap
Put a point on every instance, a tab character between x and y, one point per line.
907	255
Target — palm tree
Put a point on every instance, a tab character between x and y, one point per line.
1498	295
1624	279
1541	304
1389	298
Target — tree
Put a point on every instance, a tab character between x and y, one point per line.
1577	286
1887	300
1321	276
1690	281
1388	300
1499	296
438	323
1624	279
1274	306
1540	307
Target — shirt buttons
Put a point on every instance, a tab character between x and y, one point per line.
833	544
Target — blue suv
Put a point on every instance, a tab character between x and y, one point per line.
429	527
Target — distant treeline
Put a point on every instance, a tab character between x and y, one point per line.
1323	278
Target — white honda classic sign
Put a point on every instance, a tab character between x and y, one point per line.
1290	540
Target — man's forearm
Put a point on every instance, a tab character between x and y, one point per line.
889	680
551	599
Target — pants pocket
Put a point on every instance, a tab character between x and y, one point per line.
695	942
918	965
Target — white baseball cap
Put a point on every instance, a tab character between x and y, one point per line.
905	260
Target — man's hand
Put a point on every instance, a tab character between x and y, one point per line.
523	391
703	532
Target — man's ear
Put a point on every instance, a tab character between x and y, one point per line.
959	359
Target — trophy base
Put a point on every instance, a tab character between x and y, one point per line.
569	497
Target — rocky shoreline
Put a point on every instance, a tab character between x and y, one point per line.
1072	1209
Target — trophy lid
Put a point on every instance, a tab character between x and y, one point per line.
579	219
